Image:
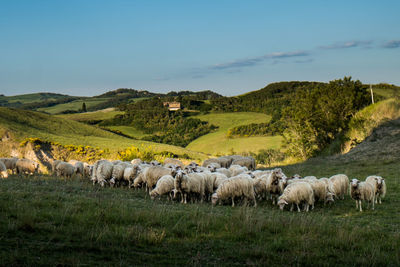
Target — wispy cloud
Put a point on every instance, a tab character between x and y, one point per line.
349	44
309	60
392	44
248	62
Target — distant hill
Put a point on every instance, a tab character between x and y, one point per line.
64	104
17	125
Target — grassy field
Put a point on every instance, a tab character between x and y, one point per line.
104	114
48	221
77	104
25	124
217	142
74	105
128	130
31	98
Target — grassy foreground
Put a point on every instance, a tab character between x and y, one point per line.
48	221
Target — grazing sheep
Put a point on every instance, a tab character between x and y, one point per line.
189	184
225	161
238	186
260	188
152	174
78	165
117	174
311	178
54	164
212	167
94	170
115	162
3	170
174	162
237	169
65	169
130	174
26	166
10	163
297	193
139	180
379	187
320	188
136	161
258	174
340	185
362	191
87	169
155	163
224	171
104	172
222	162
164	186
248	162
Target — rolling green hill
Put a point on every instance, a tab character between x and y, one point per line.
23	124
218	143
19	100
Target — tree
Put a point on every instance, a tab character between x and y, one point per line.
84	107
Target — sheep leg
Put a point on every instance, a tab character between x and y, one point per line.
359	202
233	202
292	207
306	206
356	204
298	208
380	200
373	203
255	202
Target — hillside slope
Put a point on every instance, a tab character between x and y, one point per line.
218	143
21	124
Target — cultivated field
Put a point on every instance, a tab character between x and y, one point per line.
49	221
103	114
218	143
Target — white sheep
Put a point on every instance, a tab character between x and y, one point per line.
3	170
104	172
238	186
65	169
320	189
139	180
164	186
10	163
26	166
276	182
87	169
94	170
136	161
247	162
362	191
189	184
237	169
379	187
297	193
174	162
79	167
258	173
224	171
153	174
54	164
340	185
118	173
130	174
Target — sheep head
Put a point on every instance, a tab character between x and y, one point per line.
214	199
153	194
282	203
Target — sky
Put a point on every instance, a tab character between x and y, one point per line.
85	48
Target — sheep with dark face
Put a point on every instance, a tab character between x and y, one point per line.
276	183
362	191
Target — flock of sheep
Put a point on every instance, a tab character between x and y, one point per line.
226	179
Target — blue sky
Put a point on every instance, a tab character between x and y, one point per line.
231	47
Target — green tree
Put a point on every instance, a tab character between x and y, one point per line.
84	107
